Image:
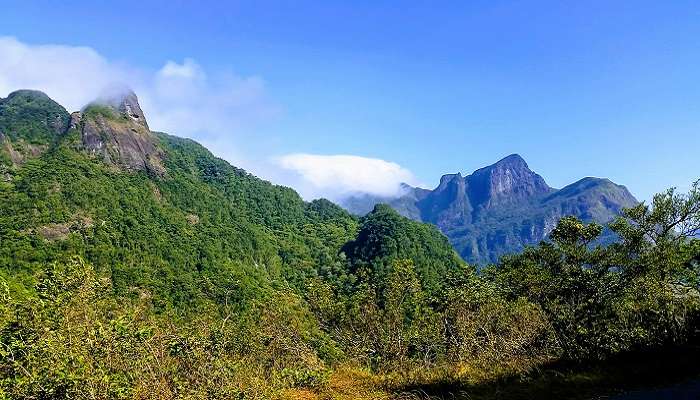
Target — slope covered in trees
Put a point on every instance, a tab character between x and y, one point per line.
135	264
146	229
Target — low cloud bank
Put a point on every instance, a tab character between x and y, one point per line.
339	176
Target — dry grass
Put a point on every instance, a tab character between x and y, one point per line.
345	383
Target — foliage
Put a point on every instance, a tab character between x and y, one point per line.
32	116
639	292
385	236
208	282
95	110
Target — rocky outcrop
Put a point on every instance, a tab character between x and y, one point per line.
116	131
113	129
509	181
127	105
449	204
9	151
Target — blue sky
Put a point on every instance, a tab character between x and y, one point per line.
594	88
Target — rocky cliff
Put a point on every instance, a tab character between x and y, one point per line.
116	130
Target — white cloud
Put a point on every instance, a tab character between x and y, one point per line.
189	70
337	176
179	98
183	99
73	76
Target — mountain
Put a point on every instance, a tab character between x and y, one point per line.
384	235
115	234
501	208
153	210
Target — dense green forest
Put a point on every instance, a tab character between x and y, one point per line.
190	278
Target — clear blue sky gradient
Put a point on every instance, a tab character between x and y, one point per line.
592	88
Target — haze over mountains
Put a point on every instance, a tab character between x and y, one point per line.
501	208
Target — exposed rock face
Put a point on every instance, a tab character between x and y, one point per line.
503	207
9	150
507	181
449	203
114	130
75	120
117	132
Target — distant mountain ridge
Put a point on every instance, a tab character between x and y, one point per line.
501	208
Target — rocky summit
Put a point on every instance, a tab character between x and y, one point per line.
501	208
116	131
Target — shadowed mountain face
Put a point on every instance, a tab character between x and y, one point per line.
501	208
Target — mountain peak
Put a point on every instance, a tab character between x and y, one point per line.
449	181
509	180
32	116
126	103
513	160
405	186
115	128
130	106
28	94
447	178
503	207
600	187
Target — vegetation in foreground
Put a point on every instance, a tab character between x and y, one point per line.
371	333
202	281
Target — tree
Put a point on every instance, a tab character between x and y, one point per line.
656	238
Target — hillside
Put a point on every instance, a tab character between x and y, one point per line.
501	208
158	212
149	208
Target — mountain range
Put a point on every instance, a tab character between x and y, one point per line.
501	208
45	153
